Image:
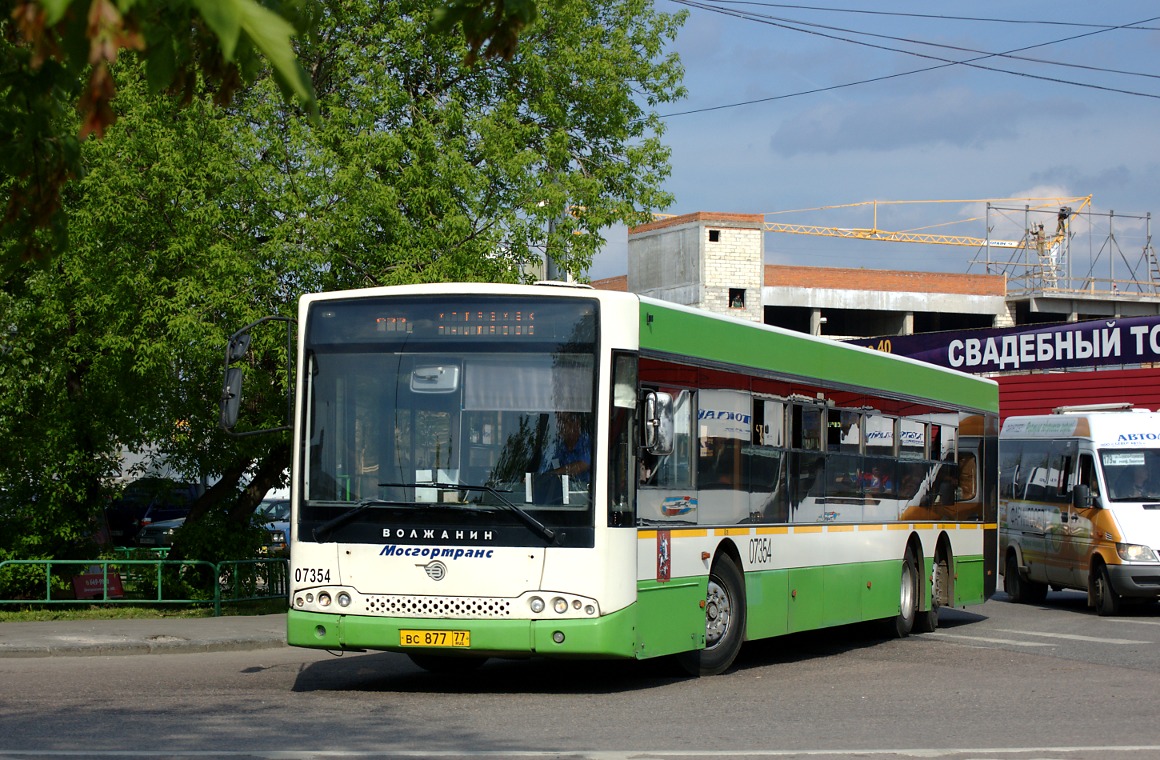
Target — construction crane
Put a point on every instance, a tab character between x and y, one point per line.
1068	208
1048	245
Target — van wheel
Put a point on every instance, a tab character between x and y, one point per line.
1012	583
1020	589
724	621
902	624
927	622
1108	602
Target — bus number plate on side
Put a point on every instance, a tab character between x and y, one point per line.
410	638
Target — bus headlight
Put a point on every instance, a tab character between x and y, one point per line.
1135	553
324	599
537	604
343	599
560	605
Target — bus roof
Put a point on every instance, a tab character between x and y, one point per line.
675	330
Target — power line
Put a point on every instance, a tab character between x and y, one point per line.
944	62
984	53
933	16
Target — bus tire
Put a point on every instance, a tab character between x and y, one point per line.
902	624
439	663
1108	602
724	621
940	578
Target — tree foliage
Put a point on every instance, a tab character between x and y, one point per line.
193	218
56	54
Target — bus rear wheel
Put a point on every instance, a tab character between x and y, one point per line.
724	621
940	579
902	624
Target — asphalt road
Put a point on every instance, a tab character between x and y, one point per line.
995	681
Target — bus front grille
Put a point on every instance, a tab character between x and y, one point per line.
438	606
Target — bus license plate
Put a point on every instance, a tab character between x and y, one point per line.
435	638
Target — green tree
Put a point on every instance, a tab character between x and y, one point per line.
193	219
55	54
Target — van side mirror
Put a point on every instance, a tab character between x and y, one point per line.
1081	496
657	421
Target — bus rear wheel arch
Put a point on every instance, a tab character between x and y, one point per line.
724	620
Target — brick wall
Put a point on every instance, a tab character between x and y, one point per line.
887	280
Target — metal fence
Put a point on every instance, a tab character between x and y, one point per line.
149	581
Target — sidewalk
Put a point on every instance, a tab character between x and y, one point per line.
68	638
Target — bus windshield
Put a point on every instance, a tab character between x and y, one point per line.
430	413
1132	474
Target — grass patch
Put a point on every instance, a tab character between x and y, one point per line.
45	613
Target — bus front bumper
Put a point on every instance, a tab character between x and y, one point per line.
609	636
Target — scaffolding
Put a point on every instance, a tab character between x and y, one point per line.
1048	265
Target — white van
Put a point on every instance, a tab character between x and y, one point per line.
1079	504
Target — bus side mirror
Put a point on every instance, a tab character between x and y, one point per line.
237	348
658	423
1081	497
231	398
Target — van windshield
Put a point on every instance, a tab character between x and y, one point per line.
1132	474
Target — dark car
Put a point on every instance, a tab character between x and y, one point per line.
159	535
274	514
145	501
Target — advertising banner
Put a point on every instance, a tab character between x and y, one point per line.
1097	343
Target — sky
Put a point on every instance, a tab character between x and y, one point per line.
792	108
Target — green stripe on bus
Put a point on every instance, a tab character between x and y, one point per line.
680	332
779	602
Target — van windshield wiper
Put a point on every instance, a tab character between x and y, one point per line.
534	525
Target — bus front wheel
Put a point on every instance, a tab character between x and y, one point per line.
724	621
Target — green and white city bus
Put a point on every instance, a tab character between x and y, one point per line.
512	471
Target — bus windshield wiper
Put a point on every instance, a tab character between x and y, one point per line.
329	526
532	523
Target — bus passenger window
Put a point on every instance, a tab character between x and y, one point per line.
968	472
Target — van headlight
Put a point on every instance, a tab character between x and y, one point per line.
1135	553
